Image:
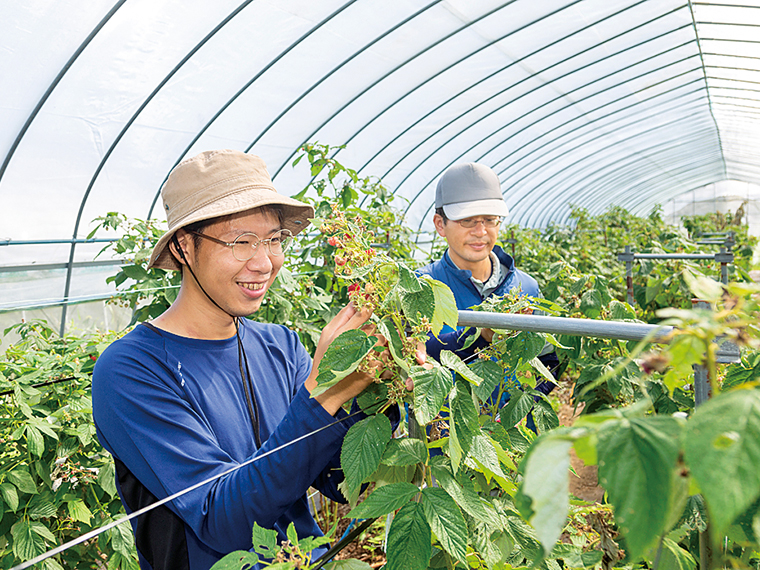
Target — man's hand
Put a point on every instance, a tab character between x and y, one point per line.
487	334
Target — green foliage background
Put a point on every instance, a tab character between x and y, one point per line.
501	498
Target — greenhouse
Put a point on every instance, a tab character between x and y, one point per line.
588	393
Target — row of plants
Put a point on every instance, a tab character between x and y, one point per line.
466	483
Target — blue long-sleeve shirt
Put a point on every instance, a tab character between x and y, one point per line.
173	412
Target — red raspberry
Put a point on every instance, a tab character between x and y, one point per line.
354	287
340	261
332	241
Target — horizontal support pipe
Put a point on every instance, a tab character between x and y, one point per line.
620	330
673	256
563	325
8	241
64	265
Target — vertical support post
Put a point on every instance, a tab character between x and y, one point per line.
702	393
723	268
629	275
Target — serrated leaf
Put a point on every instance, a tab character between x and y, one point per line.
106	479
406	451
675	558
483	451
264	541
384	500
722	449
122	539
41	507
621	311
463	424
236	560
418	304
79	511
453	362
518	406
545	485
363	448
591	304
466	498
446	521
342	357
23	481
10	495
446	312
27	543
292	534
395	344
431	387
492	375
35	441
407	279
409	546
348	564
636	459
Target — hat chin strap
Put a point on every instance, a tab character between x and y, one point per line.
245	374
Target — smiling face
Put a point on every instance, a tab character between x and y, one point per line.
238	287
469	248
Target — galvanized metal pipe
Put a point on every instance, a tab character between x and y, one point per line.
563	325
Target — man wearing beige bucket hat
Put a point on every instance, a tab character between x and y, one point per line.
201	390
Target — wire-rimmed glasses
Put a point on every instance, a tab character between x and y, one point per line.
487	221
244	246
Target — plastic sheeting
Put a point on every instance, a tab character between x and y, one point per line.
586	102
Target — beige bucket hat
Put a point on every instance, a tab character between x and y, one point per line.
218	183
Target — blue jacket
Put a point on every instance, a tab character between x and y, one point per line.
172	411
467	296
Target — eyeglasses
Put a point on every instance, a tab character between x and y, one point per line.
245	245
488	222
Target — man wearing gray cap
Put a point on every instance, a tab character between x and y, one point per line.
469	209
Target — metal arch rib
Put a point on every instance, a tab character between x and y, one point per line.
242	90
559	126
121	134
55	83
437	149
391	72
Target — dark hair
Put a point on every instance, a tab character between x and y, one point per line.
441	213
273	209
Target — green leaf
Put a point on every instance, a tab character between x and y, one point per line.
406	451
446	521
408	281
79	511
431	387
236	560
545	487
526	345
35	441
10	495
492	375
674	557
292	534
463	424
107	480
395	343
722	449
41	506
637	457
591	304
409	546
384	500
621	311
446	312
27	542
363	448
265	541
23	481
472	503
518	406
453	362
418	304
122	539
342	358
348	564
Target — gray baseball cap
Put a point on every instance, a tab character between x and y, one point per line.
470	189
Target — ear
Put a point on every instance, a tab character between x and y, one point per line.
181	238
440	225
